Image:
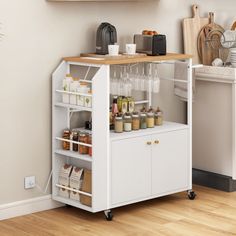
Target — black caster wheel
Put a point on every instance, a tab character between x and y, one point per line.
191	195
108	215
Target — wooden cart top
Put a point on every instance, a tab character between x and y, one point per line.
124	59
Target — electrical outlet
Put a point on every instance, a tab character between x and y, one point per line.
29	182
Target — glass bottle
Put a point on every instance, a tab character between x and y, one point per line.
127	122
135	121
119	124
158	117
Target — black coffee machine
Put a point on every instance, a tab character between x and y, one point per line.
106	35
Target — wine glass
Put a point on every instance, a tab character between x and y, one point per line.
156	81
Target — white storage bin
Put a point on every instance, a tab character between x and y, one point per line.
73	88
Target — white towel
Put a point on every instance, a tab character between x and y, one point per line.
181	73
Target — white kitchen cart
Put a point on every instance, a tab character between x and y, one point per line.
127	167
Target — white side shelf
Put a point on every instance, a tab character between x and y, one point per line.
73	154
75	107
166	127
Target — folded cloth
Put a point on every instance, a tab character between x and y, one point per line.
181	73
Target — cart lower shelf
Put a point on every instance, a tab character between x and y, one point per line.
73	203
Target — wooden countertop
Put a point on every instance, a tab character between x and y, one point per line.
125	59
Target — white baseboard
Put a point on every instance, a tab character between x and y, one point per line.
28	206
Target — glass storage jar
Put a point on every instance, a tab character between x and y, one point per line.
118	124
150	120
83	138
66	135
75	137
143	121
135	121
90	142
158	117
127	123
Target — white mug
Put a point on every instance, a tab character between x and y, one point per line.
217	62
131	48
113	50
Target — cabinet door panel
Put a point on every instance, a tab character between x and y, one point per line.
170	161
130	169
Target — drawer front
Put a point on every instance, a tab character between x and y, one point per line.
170	161
130	169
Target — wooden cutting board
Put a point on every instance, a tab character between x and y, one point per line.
191	29
209	41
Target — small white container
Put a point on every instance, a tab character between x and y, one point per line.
88	101
74	85
130	49
66	87
113	50
81	98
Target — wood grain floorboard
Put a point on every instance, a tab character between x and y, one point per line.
212	213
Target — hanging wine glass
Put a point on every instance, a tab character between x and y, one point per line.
136	79
156	81
142	80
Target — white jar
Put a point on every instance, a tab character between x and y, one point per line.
88	101
66	87
73	88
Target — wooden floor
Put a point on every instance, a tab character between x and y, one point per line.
211	213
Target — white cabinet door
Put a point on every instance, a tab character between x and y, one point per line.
170	162
130	169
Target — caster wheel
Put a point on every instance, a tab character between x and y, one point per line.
191	195
108	215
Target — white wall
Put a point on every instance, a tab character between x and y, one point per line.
37	35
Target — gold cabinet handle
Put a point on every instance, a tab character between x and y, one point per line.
149	143
156	142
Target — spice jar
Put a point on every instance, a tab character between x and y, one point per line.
66	135
150	120
83	138
75	137
118	124
90	142
158	117
143	121
135	121
127	122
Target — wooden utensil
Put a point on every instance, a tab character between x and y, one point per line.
209	41
191	29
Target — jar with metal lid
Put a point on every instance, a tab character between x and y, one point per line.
150	120
135	121
143	121
127	122
119	124
75	137
66	135
83	138
158	117
90	142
